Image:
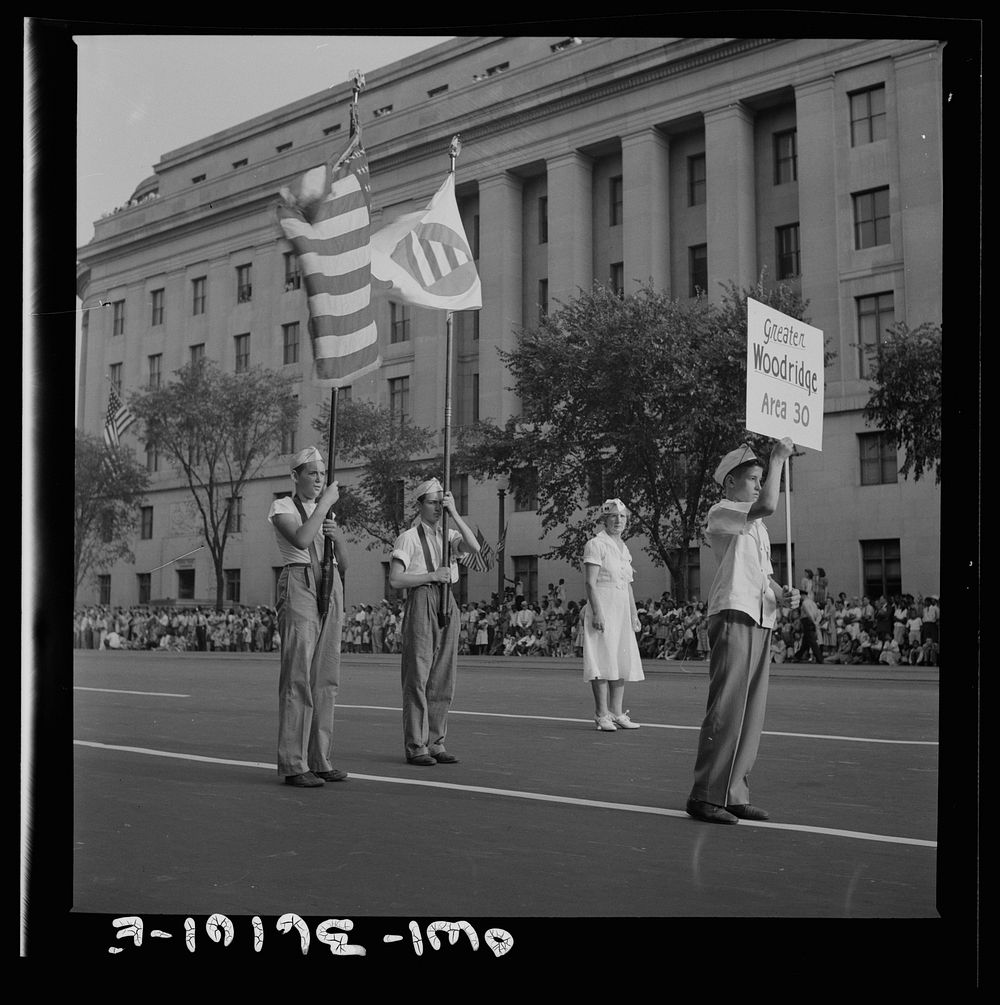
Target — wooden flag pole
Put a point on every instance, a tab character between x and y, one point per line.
326	583
788	524
445	607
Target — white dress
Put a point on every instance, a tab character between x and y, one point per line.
612	654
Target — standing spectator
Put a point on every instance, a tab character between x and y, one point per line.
820	587
610	651
929	620
378	626
828	627
809	619
900	612
525	617
807	583
482	636
914	627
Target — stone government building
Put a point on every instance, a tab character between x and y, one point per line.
688	161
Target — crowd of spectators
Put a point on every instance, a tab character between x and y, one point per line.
849	630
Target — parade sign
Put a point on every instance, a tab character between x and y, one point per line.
785	373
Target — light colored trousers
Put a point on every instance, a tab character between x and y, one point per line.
310	671
429	664
737	695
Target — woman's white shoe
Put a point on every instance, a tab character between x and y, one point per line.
623	721
605	722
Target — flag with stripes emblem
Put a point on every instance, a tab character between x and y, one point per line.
326	216
117	419
481	561
424	257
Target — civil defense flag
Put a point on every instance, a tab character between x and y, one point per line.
424	257
327	217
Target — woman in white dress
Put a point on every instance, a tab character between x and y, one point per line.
610	651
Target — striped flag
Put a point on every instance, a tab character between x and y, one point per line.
424	257
117	420
481	561
502	541
327	218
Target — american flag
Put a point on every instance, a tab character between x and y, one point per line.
117	419
327	217
481	561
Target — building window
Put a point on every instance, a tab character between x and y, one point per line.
242	344
875	314
197	178
460	490
867	115
155	371
399	399
198	353
293	277
288	438
475	236
146	523
435	91
779	563
526	570
104	588
696	180
787	242
595	483
475	325
232	585
524	485
543	219
185	584
881	569
118	317
878	459
399	323
543	298
115	377
240	163
142	583
462	586
871	218
698	269
384	110
234	525
617	279
157	300
290	343
331	129
475	398
198	295
492	71
615	197
693	573
152	460
244	286
785	157
282	147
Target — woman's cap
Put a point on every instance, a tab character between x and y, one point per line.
741	455
610	506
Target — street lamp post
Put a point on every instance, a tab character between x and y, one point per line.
501	497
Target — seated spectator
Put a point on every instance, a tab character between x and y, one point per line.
890	652
845	649
863	651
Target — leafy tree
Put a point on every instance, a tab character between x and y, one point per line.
636	397
218	429
374	509
906	395
108	492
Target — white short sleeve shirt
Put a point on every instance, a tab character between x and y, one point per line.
410	552
742	549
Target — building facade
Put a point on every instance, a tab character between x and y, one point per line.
688	162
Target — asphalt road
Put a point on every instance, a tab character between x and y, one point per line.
178	809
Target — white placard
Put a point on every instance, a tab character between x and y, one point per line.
785	374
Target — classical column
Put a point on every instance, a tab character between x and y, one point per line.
816	139
571	226
500	243
729	196
646	210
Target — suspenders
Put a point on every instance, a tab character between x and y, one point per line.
314	557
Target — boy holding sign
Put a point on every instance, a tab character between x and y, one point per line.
742	605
